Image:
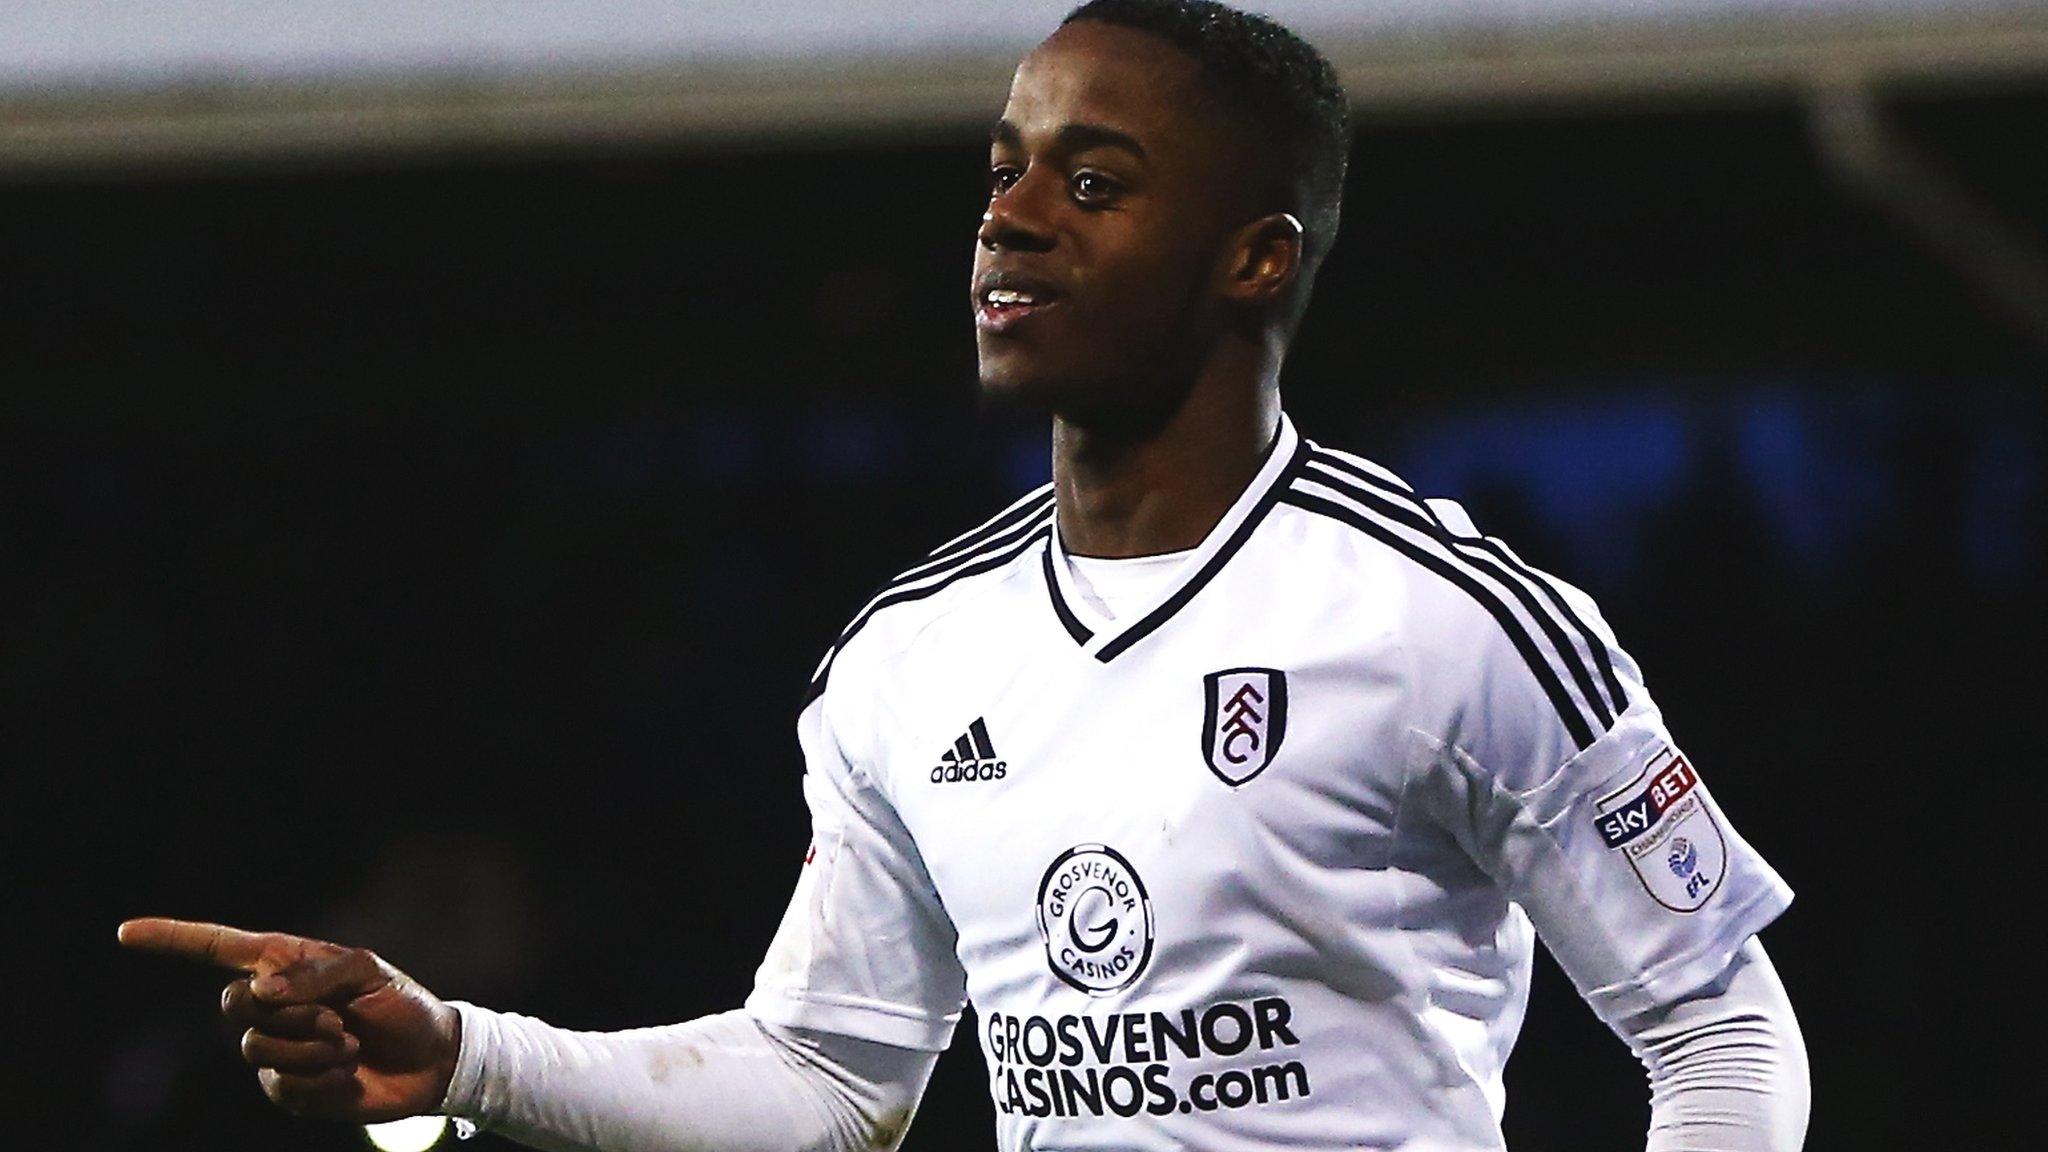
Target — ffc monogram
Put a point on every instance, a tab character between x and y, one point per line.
1244	718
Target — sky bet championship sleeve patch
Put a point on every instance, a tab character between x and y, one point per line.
1660	821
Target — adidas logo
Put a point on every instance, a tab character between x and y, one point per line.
972	757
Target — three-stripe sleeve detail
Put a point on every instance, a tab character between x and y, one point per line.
1588	642
1012	533
1023	508
1530	611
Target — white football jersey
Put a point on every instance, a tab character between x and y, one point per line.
1255	866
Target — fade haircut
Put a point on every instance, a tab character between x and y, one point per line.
1281	86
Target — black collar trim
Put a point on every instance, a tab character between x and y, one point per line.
1068	620
1275	486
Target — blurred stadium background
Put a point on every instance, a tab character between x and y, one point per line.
440	440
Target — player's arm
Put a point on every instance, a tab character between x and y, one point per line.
856	997
337	1033
727	1082
1727	1064
1633	877
1698	1001
332	1031
858	994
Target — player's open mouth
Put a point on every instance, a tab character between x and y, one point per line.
998	310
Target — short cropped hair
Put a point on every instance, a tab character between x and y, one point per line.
1285	88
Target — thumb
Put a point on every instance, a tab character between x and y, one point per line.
272	988
329	974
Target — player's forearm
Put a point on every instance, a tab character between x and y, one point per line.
721	1082
1728	1069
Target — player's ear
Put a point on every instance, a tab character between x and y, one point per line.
1265	258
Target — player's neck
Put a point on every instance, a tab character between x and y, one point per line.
1121	497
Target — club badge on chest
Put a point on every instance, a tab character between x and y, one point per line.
1244	719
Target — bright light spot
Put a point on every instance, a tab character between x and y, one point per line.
412	1134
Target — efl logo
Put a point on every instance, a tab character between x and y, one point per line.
1664	828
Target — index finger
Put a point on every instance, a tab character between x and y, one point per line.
215	944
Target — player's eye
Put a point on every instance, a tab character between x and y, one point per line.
1092	187
1001	177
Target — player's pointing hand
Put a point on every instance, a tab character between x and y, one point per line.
332	1031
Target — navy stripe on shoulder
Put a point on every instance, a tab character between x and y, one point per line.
1012	523
934	576
1507	568
1603	658
1022	507
1420	519
1364	470
1458	575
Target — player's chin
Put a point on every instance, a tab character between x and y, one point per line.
1012	378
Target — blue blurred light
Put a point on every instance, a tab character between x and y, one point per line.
727	448
1821	467
1818	469
854	445
1593	475
2002	489
1028	463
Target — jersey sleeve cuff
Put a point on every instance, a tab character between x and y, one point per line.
466	1098
1682	975
872	1020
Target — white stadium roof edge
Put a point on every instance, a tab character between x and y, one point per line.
72	99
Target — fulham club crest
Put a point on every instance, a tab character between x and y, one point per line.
1244	717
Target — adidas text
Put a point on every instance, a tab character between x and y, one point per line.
984	770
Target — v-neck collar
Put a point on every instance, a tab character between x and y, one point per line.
1105	639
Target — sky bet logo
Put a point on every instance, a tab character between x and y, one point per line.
1663	825
1642	813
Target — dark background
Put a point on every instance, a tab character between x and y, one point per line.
431	555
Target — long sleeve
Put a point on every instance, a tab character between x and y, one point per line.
857	995
1727	1065
726	1082
1634	878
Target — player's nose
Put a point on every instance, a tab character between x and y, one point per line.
1014	222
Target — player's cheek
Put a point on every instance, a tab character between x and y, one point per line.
1127	333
